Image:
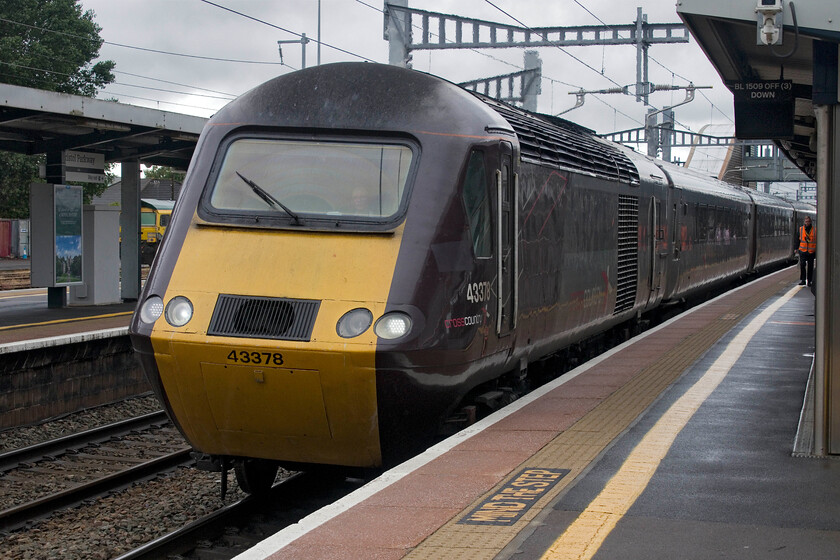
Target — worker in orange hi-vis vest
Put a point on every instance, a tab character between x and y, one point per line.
807	252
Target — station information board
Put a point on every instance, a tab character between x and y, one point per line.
764	109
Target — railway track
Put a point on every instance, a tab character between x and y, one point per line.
232	529
14	279
41	479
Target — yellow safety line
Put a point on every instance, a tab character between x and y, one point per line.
586	534
66	320
31	294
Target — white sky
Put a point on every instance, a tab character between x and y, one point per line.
197	28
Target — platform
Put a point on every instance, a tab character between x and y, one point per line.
59	361
677	444
25	318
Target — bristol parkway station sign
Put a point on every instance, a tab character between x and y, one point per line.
84	167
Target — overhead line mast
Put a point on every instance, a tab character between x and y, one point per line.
469	33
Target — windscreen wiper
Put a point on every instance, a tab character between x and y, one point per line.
270	200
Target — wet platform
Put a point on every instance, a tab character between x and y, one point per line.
681	443
25	319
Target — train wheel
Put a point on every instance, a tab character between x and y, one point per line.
255	476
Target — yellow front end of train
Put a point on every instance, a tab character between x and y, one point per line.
307	401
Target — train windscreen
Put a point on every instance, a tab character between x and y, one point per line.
349	180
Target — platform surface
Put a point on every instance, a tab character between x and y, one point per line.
25	318
677	444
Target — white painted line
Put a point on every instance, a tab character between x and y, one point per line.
40	343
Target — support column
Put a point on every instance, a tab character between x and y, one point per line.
533	86
398	34
826	99
56	295
652	133
642	84
827	360
130	231
665	135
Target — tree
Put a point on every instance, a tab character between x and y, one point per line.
16	173
49	45
164	173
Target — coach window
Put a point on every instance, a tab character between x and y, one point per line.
477	205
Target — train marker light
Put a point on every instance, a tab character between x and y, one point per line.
392	325
354	322
151	310
179	311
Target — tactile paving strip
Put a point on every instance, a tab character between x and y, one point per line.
651	366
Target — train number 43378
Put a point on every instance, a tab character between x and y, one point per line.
257	358
478	292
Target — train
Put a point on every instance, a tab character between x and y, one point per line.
154	219
360	251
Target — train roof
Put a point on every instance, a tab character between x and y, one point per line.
157	204
693	180
561	143
767	199
364	97
378	97
803	206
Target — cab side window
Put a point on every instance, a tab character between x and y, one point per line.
477	205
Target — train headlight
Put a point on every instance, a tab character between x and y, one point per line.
392	325
354	322
179	311
151	310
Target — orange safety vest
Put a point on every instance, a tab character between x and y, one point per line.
807	241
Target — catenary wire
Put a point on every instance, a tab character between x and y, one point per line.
286	30
518	67
145	49
587	10
44	70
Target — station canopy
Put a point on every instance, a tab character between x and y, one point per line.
34	121
728	33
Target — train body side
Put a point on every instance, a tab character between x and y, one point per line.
773	229
710	233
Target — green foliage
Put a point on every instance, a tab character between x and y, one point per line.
16	173
164	173
49	45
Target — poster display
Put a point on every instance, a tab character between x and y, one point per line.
68	234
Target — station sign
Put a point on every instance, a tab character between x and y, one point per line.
84	167
764	109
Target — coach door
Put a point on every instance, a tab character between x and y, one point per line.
678	226
656	238
506	234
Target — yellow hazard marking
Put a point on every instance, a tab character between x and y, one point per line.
586	534
29	294
66	320
512	501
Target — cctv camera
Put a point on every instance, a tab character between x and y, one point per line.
769	15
